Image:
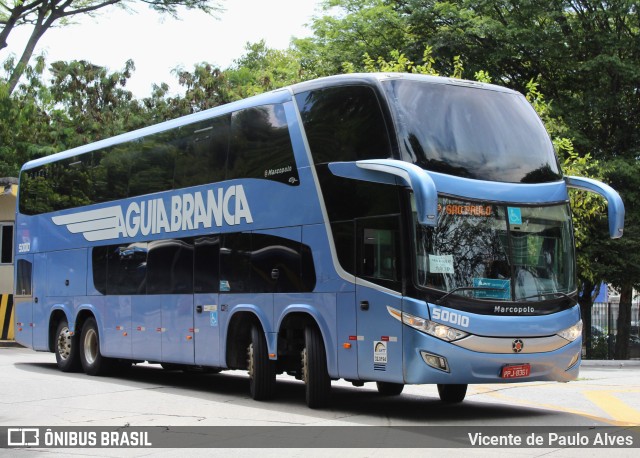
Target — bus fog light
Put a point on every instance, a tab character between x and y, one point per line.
572	333
574	360
435	361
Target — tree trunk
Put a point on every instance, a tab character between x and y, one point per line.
8	27
39	29
624	322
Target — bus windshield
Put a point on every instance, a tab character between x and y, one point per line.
497	252
474	133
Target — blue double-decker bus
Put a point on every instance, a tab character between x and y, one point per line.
389	228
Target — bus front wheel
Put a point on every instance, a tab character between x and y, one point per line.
92	360
389	389
314	369
262	374
66	348
452	394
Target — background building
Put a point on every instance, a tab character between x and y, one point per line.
8	193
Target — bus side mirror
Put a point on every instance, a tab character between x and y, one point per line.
391	171
614	202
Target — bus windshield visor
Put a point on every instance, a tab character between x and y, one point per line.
472	132
497	252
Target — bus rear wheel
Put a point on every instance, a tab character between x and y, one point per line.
314	369
262	374
452	394
390	389
92	360
66	348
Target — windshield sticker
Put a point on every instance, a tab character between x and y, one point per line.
515	215
496	288
442	264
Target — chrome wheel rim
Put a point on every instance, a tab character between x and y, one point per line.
90	346
64	343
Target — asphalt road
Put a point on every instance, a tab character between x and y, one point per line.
34	392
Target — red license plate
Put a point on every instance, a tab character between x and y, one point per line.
516	371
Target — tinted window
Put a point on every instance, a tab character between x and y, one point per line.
379	250
99	263
127	269
470	132
23	278
261	146
203	152
235	263
170	267
206	260
364	198
277	265
190	155
153	161
344	124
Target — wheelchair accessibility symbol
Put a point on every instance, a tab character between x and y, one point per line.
515	215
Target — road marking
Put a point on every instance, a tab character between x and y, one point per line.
613	406
621	414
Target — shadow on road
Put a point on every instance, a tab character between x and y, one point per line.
356	405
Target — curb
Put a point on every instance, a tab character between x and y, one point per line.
610	363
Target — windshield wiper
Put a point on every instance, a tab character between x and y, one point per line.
467	288
556	294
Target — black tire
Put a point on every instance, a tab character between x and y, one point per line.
93	363
66	347
452	394
314	369
390	389
262	373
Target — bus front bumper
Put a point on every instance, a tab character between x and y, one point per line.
431	360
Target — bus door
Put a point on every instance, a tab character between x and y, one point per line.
23	300
378	268
170	288
206	310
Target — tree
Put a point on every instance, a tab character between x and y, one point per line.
44	14
350	29
90	103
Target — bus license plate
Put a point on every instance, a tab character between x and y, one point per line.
520	370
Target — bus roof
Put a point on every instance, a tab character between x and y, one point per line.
276	96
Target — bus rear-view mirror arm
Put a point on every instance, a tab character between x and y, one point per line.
615	204
388	171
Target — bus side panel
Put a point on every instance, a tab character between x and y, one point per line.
116	322
146	328
380	354
23	300
259	305
67	273
315	236
41	306
347	334
207	322
177	325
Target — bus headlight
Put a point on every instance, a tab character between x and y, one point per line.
573	332
440	331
